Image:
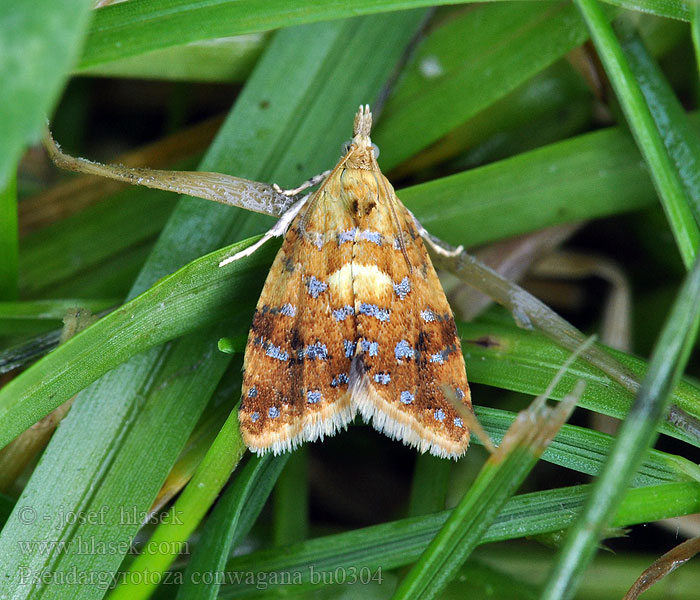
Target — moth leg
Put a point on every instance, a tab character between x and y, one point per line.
438	246
277	230
304	186
226	189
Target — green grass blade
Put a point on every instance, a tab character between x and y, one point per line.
636	434
430	484
118	336
641	122
172	532
499	478
585	451
467	65
695	31
520	121
224	60
129	478
39	44
400	543
478	580
588	176
250	489
681	141
203	435
673	9
119	31
111	278
9	241
614	572
525	361
43	315
291	500
56	254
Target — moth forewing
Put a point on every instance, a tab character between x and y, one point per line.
352	318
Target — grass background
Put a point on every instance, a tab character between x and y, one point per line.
496	120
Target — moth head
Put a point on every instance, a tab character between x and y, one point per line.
362	128
345	148
360	152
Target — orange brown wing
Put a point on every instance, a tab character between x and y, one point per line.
408	342
297	360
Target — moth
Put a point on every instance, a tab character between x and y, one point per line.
353	319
